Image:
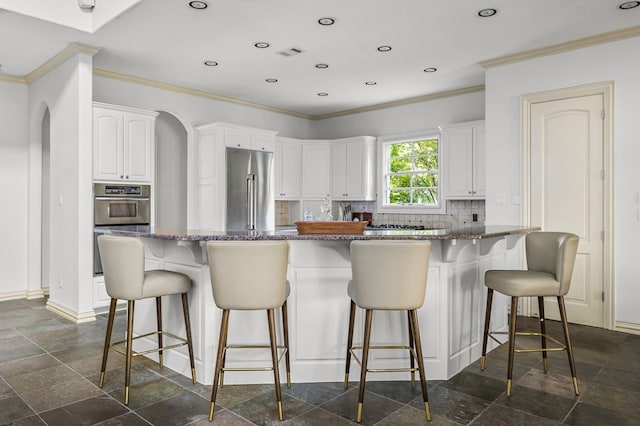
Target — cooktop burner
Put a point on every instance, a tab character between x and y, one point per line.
389	226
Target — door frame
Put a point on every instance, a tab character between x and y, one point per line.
606	89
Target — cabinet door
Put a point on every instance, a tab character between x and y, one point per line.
237	139
138	135
262	143
479	169
107	145
316	170
458	165
290	171
339	166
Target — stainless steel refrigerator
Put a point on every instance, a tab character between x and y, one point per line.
250	191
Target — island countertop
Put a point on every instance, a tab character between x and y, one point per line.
289	233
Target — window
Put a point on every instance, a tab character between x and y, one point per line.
411	175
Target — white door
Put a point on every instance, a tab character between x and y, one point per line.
567	194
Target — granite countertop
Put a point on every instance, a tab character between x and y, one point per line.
289	233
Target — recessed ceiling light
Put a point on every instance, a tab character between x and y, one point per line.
629	5
271	80
485	13
326	21
323	94
370	83
322	66
384	48
430	69
199	5
261	45
211	63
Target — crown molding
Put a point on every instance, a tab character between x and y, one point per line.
12	79
61	57
194	92
424	98
563	47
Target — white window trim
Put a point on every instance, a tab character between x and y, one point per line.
381	142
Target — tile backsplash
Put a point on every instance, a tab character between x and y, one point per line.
459	214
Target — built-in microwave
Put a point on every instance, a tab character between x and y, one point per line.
118	204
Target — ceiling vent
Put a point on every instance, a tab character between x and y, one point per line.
291	52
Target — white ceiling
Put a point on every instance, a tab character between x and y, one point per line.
166	41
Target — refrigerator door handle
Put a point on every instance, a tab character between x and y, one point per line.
251	201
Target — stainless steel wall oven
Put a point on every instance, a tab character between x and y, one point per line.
118	205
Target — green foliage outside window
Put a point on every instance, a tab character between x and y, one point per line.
412	173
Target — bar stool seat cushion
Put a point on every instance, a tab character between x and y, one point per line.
522	283
163	283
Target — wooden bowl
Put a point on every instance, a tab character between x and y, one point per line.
313	227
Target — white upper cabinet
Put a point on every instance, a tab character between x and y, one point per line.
464	161
353	165
123	144
287	160
247	138
316	169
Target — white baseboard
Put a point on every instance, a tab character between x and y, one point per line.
627	327
25	294
76	317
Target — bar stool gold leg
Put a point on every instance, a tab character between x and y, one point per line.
285	332
512	341
420	359
187	326
365	358
224	328
274	359
352	318
159	320
487	319
107	339
567	339
413	347
543	334
129	351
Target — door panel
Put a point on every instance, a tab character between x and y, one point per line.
567	192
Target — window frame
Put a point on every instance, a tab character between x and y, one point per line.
383	161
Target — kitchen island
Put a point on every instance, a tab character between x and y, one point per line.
451	319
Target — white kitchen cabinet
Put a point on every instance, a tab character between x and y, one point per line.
464	160
287	161
247	138
316	169
212	140
123	143
353	166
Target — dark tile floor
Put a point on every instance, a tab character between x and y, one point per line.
49	370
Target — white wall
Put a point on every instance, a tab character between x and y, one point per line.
505	85
402	119
14	154
66	91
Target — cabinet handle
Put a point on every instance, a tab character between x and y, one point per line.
121	176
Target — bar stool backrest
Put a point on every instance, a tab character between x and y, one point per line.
248	275
123	266
389	274
553	253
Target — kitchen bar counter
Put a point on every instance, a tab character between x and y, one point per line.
290	233
319	270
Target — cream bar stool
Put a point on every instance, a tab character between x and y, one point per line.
250	275
125	278
388	275
550	260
